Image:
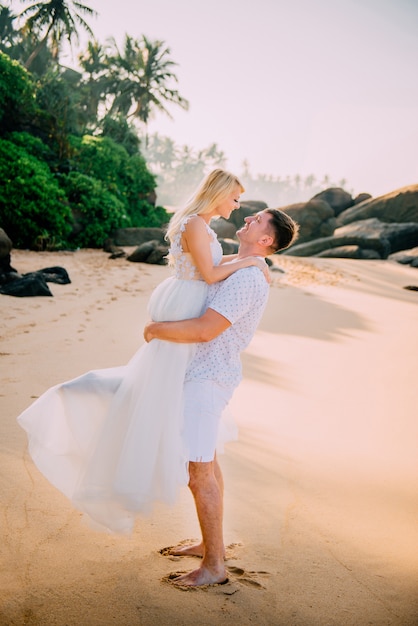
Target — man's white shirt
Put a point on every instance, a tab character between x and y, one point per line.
241	299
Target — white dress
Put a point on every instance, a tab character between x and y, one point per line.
110	440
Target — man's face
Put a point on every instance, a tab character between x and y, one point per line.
255	227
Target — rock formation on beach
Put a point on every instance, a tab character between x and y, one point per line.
12	283
332	224
374	228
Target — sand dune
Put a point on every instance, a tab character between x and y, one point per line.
321	488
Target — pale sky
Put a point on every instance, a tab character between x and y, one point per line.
293	86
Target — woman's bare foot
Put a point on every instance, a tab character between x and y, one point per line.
201	576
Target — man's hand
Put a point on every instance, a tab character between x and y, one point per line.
262	264
148	332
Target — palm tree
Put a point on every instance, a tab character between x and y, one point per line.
8	33
60	18
142	78
96	80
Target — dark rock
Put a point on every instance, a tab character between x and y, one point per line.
405	257
115	251
223	228
33	283
337	198
229	246
54	274
249	207
227	228
349	252
152	252
313	248
137	236
5	249
6	244
254	205
5	265
315	218
399	236
400	206
361	198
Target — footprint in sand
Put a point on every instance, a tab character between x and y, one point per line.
236	576
245	577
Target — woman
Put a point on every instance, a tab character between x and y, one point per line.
110	440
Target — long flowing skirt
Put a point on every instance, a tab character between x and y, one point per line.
110	440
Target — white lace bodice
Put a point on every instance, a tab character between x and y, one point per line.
184	268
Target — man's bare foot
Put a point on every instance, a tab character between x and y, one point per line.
201	576
185	550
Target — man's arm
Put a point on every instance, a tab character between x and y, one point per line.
195	330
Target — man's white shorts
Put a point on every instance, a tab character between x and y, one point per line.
204	402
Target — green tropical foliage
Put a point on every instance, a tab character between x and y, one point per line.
55	20
96	211
72	139
76	161
141	78
17	95
33	209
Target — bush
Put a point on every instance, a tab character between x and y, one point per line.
126	177
96	211
101	158
31	144
139	185
33	209
17	95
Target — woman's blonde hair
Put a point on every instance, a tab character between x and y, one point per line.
213	190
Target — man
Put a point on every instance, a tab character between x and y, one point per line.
235	307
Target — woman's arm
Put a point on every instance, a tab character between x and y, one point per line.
196	241
227	258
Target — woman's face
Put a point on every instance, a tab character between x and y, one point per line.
231	202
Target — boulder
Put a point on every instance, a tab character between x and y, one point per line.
229	246
115	251
406	257
6	244
137	236
5	249
380	246
337	198
152	252
361	198
398	206
349	252
227	228
248	207
223	228
33	283
315	218
399	236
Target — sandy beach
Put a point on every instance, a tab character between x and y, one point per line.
321	517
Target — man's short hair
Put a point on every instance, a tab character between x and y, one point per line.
285	229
